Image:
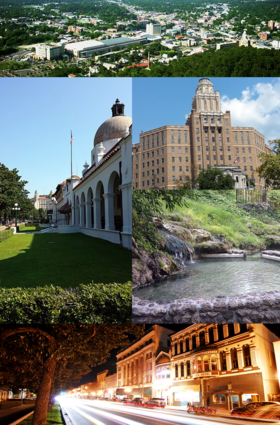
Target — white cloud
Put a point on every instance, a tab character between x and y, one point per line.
258	107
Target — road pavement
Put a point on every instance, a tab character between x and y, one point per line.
87	412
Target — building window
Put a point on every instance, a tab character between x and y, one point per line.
250	159
148	182
162	160
187	168
136	166
221	157
157	139
206	139
148	143
196	121
188	368
172	150
197	130
162	170
206	363
249	150
226	120
186	150
153	153
153	163
176	371
148	155
179	137
198	148
246	354
199	157
143	165
179	150
186	136
157	152
227	131
143	174
235	136
223	360
173	178
219	398
244	159
173	158
234	360
207	148
229	157
143	143
245	168
173	168
162	142
180	168
193	341
162	151
153	144
243	150
182	369
211	335
143	156
202	338
172	136
227	139
220	332
213	362
180	159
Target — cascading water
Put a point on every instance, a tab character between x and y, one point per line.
181	251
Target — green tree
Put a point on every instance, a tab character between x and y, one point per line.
270	165
214	179
12	191
53	355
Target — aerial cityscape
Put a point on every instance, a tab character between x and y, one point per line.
139	38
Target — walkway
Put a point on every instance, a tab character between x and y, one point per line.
8	416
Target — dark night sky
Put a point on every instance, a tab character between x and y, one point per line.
111	362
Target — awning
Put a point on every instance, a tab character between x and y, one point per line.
185	388
66	208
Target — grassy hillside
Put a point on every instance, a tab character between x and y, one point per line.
245	226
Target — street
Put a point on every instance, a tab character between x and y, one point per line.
86	412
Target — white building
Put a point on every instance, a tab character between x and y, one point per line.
49	51
100	203
153	29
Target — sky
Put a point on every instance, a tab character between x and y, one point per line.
253	102
37	115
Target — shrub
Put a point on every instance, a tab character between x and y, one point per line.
93	303
8	404
5	234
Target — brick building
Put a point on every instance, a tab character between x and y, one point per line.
171	154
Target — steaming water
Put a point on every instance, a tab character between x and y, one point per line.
209	278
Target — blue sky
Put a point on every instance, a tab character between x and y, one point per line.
37	115
253	102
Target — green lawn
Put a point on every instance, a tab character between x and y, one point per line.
53	418
61	260
30	228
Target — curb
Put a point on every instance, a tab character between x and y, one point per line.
18	421
66	419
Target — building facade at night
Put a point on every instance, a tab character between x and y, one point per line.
100	203
170	154
222	366
136	363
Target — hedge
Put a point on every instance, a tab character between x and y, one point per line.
93	303
9	404
5	234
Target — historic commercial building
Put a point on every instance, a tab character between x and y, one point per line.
43	201
219	365
99	204
136	363
223	365
171	154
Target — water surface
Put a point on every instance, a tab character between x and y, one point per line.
213	277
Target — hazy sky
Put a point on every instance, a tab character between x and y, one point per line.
253	102
37	115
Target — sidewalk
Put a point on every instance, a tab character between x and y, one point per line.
223	412
7	416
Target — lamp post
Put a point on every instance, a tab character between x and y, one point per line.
16	209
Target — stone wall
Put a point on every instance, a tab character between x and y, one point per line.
258	307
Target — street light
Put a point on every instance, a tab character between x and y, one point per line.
16	209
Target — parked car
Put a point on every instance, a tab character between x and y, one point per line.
155	402
137	401
201	410
261	409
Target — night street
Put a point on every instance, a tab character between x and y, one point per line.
82	412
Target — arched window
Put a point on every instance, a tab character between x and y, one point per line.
194	366
213	362
247	356
206	363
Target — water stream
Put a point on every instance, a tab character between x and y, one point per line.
213	277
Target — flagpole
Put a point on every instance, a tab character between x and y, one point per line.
71	154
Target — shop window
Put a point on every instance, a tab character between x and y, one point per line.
219	398
250	398
247	357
